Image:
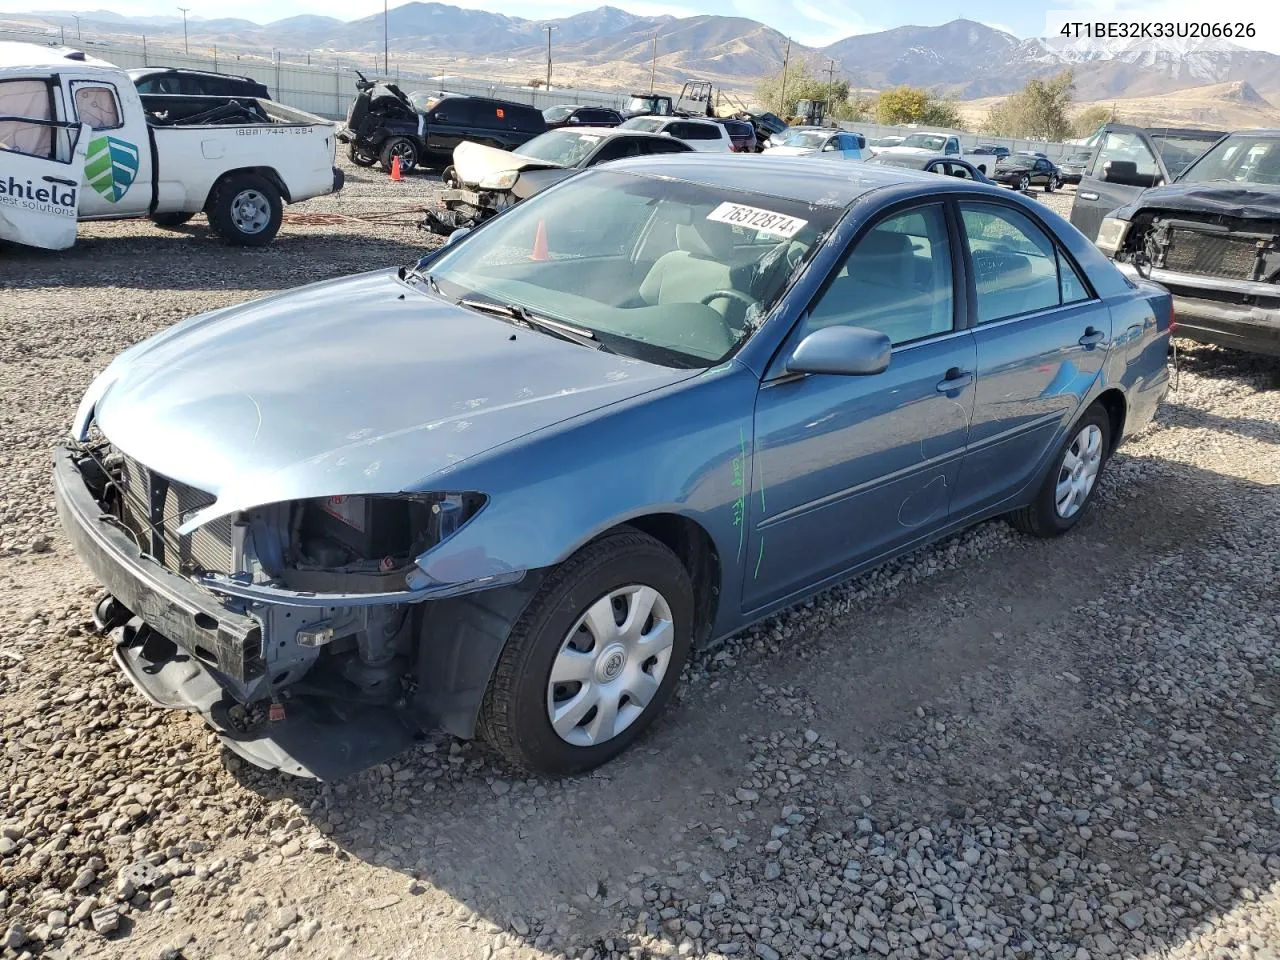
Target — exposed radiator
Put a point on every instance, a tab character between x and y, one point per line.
208	548
1206	254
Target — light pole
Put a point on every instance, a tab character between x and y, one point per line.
77	20
549	27
653	65
831	72
185	47
386	39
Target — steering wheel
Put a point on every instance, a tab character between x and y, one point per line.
744	298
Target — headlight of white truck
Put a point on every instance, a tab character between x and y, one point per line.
1111	235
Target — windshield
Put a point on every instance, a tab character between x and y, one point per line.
1020	159
424	100
641	104
666	271
1240	158
1179	152
929	141
651	124
557	114
565	148
808	139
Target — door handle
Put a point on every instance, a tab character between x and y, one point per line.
956	379
1087	195
1092	338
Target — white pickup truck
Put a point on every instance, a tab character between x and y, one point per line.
78	142
939	144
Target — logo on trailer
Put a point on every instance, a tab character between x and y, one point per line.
110	167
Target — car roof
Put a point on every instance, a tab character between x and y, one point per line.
832	183
606	133
22	57
142	72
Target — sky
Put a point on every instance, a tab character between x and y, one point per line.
812	22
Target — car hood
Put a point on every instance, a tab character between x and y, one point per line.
355	386
908	151
475	161
1255	201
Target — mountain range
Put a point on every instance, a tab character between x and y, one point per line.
963	58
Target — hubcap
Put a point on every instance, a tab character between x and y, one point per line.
1079	471
404	152
250	211
610	666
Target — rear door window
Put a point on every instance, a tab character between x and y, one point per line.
1126	147
29	99
457	111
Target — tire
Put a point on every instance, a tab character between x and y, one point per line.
246	210
358	158
1051	185
515	716
1044	517
1024	183
405	148
450	176
170	220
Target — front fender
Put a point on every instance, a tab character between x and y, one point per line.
682	450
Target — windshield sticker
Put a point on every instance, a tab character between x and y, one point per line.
754	218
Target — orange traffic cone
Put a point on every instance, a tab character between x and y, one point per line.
395	168
540	252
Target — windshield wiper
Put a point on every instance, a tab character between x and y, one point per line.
417	273
522	314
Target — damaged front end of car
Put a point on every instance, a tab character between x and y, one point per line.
292	628
464	209
1223	268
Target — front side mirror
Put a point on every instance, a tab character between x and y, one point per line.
457	235
575	119
843	351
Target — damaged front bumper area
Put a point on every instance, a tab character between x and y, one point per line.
311	682
1223	273
465	209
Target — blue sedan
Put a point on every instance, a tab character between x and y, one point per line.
506	491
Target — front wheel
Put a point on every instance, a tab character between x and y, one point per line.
1024	183
594	658
246	210
358	158
1068	489
401	147
1051	185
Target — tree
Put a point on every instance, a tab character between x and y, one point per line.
906	104
1087	121
1037	111
802	85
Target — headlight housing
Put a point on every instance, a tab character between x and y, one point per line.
361	544
1111	235
502	180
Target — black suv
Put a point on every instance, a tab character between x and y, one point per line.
196	83
422	129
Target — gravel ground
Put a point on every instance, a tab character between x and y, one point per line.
992	748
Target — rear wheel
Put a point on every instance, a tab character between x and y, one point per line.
401	147
1068	488
170	220
593	659
246	209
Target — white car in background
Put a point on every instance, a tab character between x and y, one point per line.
940	144
705	136
817	141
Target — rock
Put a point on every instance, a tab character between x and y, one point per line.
382	903
284	918
14	937
1046	894
105	921
766	952
84	879
746	796
1133	919
500	788
1125	835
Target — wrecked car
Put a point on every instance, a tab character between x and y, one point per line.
505	491
1212	238
422	129
79	142
489	181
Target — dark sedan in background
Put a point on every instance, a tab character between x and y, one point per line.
1024	170
507	490
743	136
569	115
